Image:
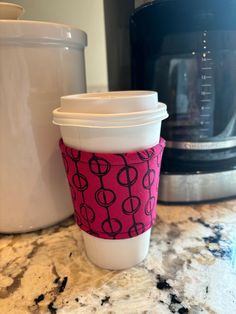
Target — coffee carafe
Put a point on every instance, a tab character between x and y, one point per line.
186	50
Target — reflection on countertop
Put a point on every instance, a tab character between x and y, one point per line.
191	268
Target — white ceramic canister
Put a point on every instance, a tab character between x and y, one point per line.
39	62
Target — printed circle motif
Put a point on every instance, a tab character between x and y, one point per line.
87	213
111	227
99	166
73	153
136	229
105	197
131	205
146	154
80	182
150	205
127	176
148	179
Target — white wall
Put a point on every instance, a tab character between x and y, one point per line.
88	15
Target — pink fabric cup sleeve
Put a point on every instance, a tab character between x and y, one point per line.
114	195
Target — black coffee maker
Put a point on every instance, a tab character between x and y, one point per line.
186	50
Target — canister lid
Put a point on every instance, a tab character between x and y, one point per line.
12	30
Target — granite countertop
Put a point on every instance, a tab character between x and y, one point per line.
191	268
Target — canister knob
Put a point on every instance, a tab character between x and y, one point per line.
10	11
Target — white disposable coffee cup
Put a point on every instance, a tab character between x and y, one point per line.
135	129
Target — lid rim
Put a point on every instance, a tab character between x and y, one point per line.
108	126
72	115
101	121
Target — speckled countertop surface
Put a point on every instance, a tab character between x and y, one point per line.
191	268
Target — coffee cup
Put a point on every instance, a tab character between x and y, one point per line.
128	144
